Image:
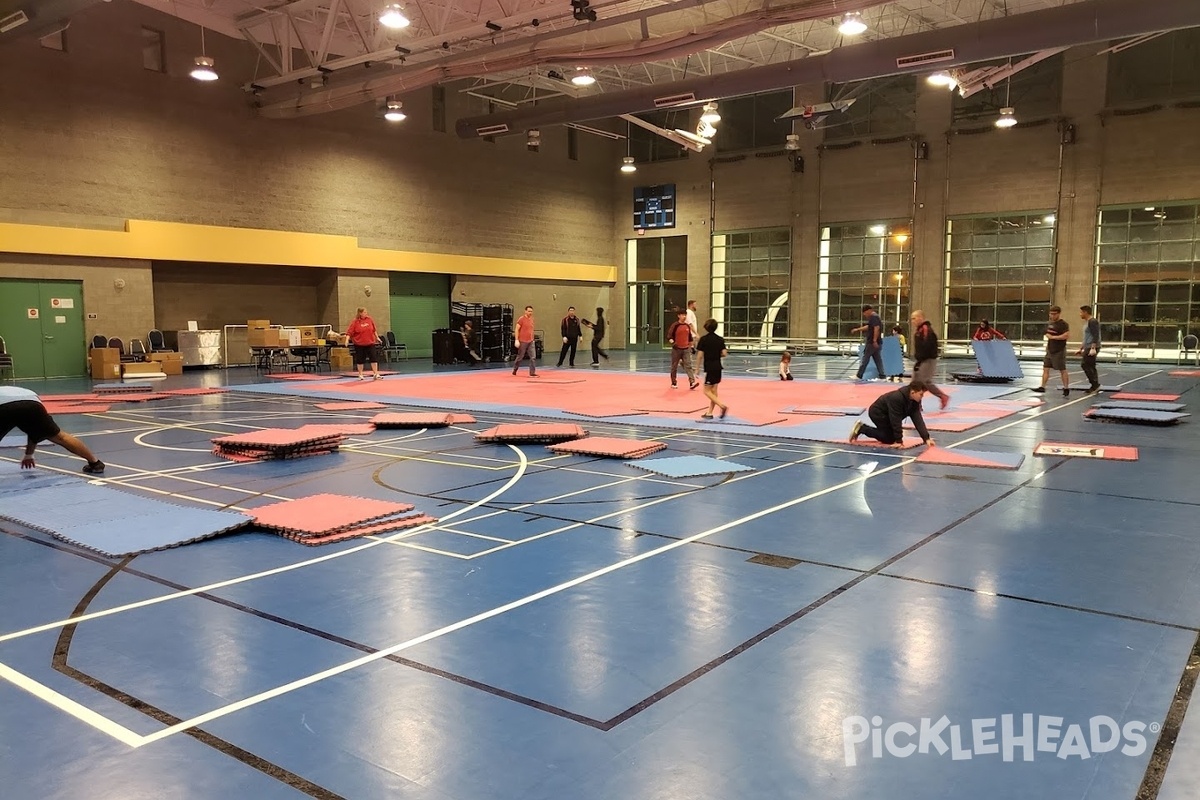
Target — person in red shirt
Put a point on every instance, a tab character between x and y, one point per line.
680	335
985	333
365	339
523	339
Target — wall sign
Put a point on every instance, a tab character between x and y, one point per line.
62	302
32	313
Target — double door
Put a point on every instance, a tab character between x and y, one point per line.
42	326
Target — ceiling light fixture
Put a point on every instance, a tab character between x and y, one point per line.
204	66
852	24
583	77
394	111
942	79
1049	219
393	17
627	165
710	115
878	230
1007	117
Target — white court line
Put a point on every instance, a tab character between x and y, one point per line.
486	615
64	703
266	573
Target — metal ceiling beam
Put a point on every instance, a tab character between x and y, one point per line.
1002	37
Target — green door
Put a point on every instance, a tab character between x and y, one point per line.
420	303
64	349
42	326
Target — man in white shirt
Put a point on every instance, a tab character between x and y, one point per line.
23	409
691	321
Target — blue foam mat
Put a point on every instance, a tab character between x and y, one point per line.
114	523
690	466
828	411
17	481
1135	414
997	359
893	359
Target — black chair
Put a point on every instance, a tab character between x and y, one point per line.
100	340
158	344
6	361
117	344
393	347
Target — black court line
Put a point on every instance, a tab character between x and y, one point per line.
62	651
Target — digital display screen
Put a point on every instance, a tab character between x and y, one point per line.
654	207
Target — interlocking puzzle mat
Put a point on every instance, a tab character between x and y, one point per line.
1075	450
691	466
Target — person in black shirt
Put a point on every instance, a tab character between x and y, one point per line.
713	349
888	412
1090	348
597	334
925	355
872	331
1057	333
570	335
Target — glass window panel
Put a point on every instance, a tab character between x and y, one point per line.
781	252
985	258
1110	295
649	260
1042	236
1039	294
1143	252
1011	258
1110	273
1114	253
1039	256
675	258
1176	251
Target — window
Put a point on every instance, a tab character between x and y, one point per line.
1148	276
751	276
1035	93
749	122
55	41
1165	67
152	50
999	268
883	106
863	263
647	146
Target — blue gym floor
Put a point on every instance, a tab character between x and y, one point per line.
574	627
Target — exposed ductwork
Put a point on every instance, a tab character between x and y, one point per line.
1004	37
37	18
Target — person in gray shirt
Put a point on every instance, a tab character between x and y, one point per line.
1090	347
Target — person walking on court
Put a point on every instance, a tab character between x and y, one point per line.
888	413
365	339
570	335
1057	333
872	331
598	328
523	340
680	334
23	409
925	355
712	348
691	321
1090	348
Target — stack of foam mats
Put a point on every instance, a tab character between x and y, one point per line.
609	446
997	363
543	432
414	419
122	388
1137	416
277	443
327	518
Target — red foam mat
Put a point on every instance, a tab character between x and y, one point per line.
340	428
609	446
863	441
1076	450
75	398
352	405
364	530
1147	396
531	432
324	513
461	419
68	408
194	391
970	458
273	437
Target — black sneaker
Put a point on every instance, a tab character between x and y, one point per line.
694	384
1039	389
94	468
1066	392
1095	387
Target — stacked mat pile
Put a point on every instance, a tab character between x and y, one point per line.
272	444
609	446
105	520
416	419
997	363
327	518
545	432
1140	408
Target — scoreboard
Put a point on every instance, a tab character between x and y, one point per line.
654	206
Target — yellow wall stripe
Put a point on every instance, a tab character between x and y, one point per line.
177	241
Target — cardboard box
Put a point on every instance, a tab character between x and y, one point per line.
142	368
105	355
263	337
174	367
339	358
166	357
290	337
258	323
106	370
337	339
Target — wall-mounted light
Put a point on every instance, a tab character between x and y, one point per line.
878	230
367	290
852	24
393	17
533	140
119	284
792	142
901	238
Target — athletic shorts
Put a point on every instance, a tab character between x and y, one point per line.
30	417
366	354
1056	361
712	377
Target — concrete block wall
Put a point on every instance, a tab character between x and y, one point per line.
549	300
215	295
120	292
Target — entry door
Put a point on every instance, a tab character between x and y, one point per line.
645	316
42	326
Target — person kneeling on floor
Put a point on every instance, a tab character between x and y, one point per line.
23	409
888	413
